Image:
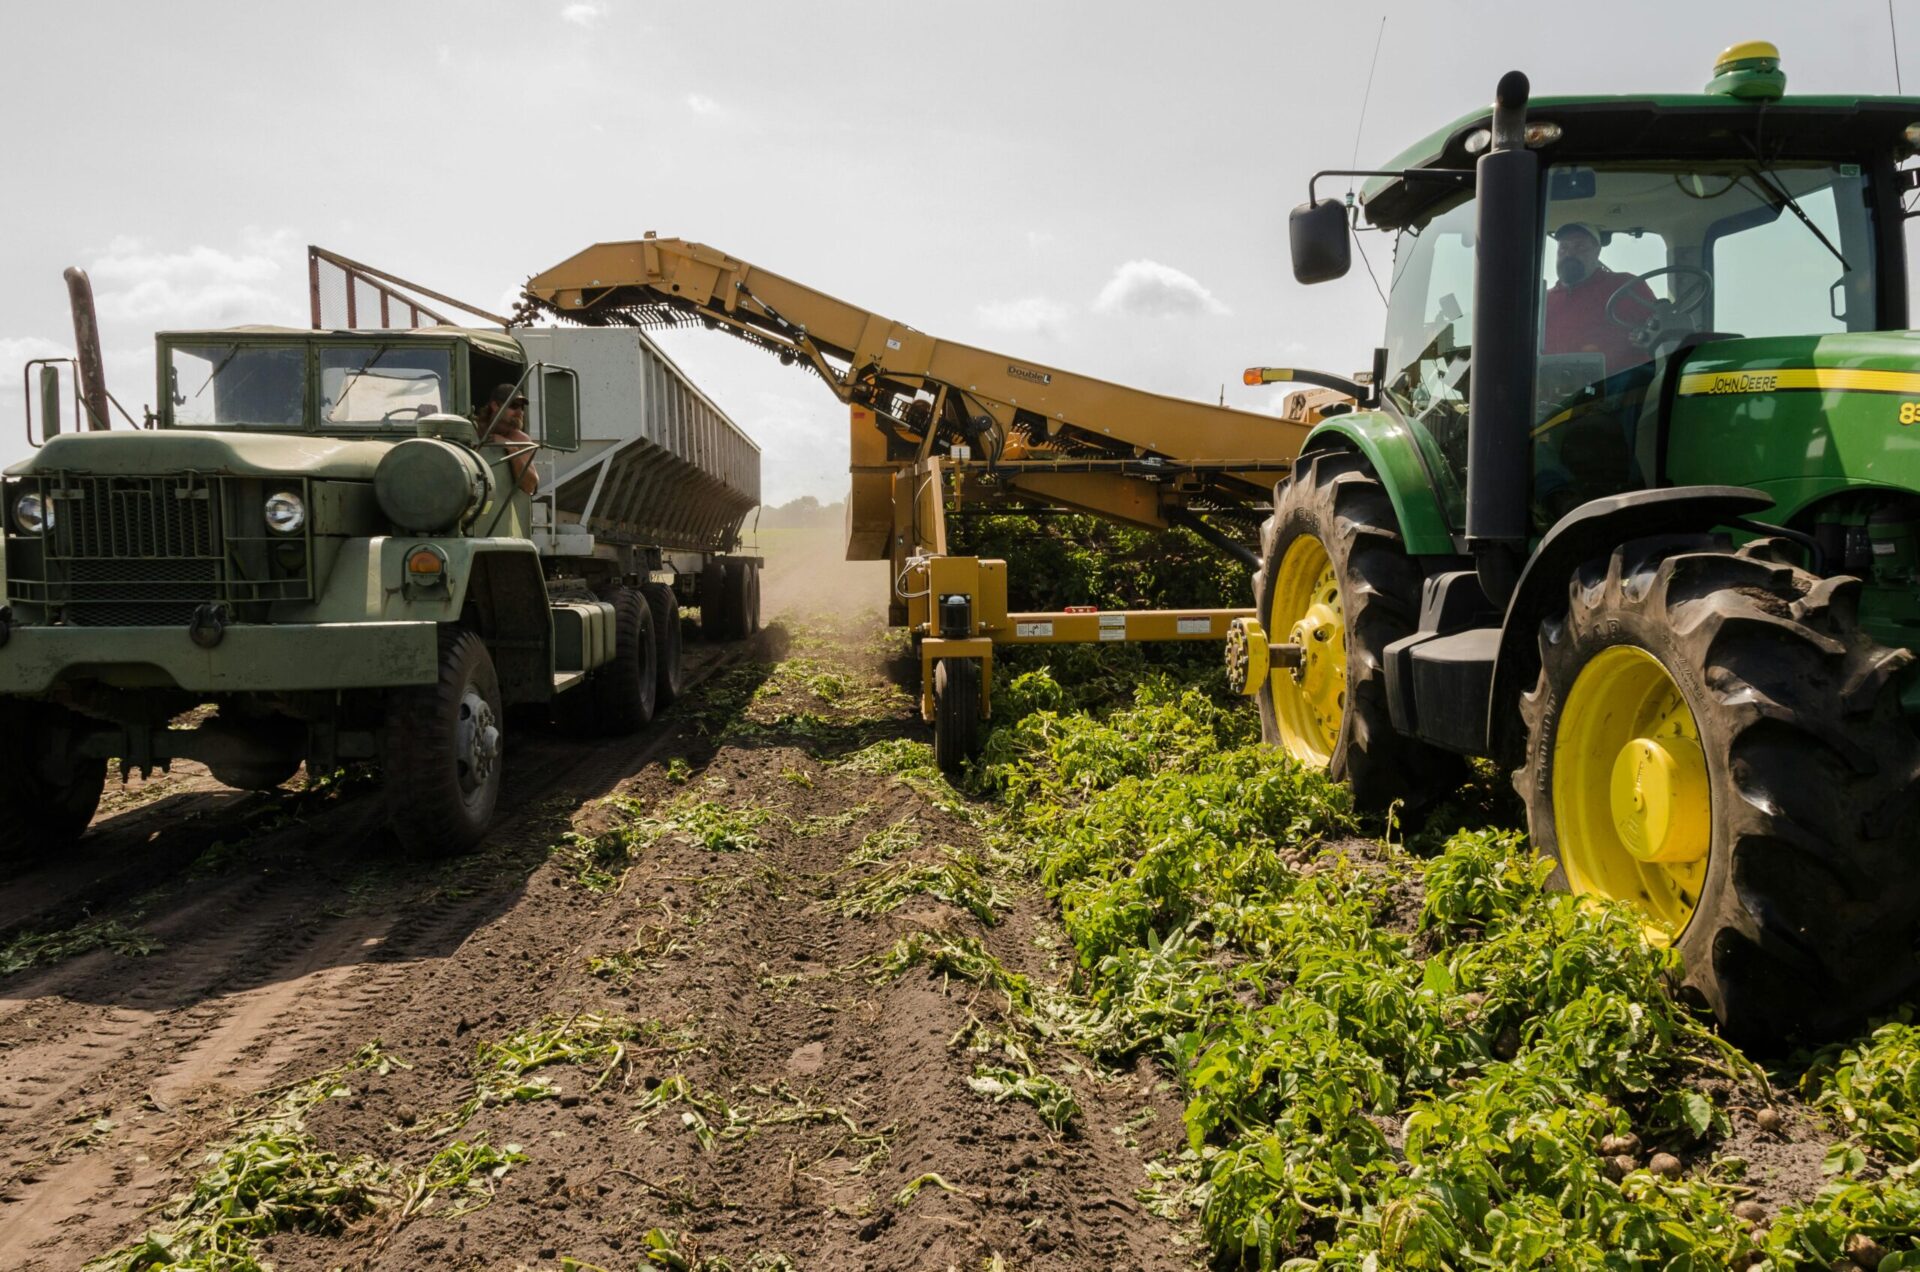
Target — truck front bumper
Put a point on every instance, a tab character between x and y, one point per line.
268	658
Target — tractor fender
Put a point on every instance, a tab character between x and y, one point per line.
1586	532
1394	455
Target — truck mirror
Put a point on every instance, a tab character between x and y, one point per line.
49	400
560	409
1318	235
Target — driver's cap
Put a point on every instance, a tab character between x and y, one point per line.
1578	227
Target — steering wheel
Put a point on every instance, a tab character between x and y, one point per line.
1660	313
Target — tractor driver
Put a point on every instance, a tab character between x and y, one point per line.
1577	320
502	419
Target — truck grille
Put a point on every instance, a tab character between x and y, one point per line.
114	518
148	551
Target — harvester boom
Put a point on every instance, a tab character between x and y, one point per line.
1034	433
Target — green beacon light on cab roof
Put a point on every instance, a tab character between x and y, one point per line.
1748	70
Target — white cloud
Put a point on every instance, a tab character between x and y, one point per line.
15	350
700	104
443	54
1039	240
583	14
1027	314
1148	289
137	283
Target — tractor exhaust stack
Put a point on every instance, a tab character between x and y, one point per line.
86	346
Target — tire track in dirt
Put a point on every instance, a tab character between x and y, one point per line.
257	971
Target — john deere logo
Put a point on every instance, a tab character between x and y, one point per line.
1031	377
1743	382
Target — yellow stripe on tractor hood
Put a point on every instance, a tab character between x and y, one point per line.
1798	379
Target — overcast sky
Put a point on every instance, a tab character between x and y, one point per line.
1102	187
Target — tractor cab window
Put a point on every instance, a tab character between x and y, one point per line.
227	384
1641	258
382	385
1429	338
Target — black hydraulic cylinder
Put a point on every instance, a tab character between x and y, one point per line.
1506	292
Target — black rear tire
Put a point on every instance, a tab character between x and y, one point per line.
47	794
623	690
956	712
1334	497
1809	904
742	599
443	750
714	620
672	680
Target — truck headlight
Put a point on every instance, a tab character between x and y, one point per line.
33	513
286	512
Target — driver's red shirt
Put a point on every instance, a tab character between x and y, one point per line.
1577	319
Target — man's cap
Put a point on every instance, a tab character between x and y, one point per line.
503	395
1578	227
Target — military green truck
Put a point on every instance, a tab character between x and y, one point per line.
1630	505
311	536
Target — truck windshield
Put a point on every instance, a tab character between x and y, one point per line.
375	385
215	385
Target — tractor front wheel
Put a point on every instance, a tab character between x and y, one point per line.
1335	579
1715	742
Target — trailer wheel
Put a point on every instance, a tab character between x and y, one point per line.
443	750
742	599
713	599
1714	741
47	795
623	690
1335	578
956	712
666	642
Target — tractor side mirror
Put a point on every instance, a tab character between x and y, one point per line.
1317	233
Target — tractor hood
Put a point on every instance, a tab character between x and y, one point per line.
1856	362
1799	416
233	454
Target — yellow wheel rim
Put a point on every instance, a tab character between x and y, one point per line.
1632	808
1310	699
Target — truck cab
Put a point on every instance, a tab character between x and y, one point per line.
321	535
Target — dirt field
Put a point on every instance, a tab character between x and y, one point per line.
713	1049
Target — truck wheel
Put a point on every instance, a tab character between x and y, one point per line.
742	609
956	712
666	641
443	750
623	690
1715	742
1336	579
713	599
47	795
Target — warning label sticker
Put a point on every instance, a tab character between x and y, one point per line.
1113	633
1033	629
1193	626
1113	620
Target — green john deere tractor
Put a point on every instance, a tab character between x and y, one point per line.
1630	503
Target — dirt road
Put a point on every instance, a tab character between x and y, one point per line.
712	926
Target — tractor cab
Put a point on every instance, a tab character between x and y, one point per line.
1662	224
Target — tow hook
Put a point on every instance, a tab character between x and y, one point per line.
209	625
